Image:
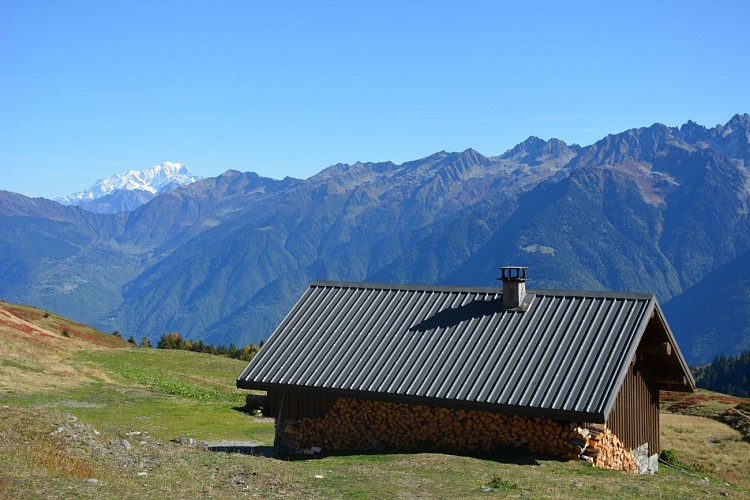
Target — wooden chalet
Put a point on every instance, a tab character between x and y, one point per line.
577	370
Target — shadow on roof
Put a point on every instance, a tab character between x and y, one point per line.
451	317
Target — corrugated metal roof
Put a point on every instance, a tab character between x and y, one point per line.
565	356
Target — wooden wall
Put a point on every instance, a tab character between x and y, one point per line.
298	405
634	418
635	415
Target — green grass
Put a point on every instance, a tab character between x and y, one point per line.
165	393
179	373
21	366
164	416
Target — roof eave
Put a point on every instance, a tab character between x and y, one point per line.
553	413
690	387
653	310
630	353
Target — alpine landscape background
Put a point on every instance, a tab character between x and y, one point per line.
659	208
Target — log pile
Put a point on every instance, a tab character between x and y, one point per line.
604	449
362	425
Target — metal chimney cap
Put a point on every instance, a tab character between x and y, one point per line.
514	273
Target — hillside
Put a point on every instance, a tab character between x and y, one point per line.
221	260
729	374
713	314
36	348
111	431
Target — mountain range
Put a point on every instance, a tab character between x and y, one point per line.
660	209
128	191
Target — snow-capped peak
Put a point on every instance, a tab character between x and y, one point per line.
152	180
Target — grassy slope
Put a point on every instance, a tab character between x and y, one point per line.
35	353
62	429
695	425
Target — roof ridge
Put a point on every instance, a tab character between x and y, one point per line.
481	289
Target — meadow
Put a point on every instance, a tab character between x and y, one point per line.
87	416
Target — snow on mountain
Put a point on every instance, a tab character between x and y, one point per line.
152	180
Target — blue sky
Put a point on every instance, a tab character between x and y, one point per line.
93	88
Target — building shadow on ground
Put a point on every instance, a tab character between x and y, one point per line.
515	456
243	449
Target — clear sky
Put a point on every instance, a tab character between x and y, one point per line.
93	88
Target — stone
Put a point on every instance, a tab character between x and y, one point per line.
647	464
123	443
92	480
184	441
142	474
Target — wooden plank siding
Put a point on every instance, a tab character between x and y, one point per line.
298	405
635	415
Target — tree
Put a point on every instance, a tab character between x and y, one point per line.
248	352
170	341
727	374
131	340
145	342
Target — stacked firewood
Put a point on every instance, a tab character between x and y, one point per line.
372	425
604	449
355	424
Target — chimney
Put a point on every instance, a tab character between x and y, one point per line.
514	286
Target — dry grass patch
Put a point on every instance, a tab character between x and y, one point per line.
33	454
35	355
715	447
43	452
55	324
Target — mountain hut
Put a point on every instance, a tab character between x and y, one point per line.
368	367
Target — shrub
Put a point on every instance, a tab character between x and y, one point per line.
65	333
501	484
669	457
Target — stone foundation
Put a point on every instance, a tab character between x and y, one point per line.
363	425
647	464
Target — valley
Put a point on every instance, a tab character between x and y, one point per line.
657	209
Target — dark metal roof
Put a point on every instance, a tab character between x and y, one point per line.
564	357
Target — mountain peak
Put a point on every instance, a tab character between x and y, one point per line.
152	180
533	148
691	128
739	121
